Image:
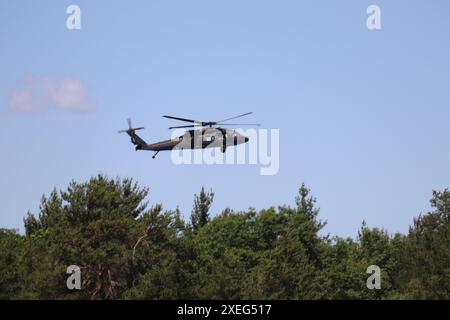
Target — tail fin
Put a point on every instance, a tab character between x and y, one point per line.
135	139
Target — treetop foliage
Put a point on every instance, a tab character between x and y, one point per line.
127	250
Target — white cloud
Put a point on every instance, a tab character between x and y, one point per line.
22	101
39	94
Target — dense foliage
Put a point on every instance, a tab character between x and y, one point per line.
128	251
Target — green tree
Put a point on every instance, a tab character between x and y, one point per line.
12	247
226	249
290	267
200	212
426	259
93	225
165	258
127	251
343	270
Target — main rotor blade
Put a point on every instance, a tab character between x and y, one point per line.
181	119
242	115
241	124
224	124
129	122
190	126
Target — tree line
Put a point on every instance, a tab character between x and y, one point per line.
128	250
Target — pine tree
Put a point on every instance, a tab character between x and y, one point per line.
200	212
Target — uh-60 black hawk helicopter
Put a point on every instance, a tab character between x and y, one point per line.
212	136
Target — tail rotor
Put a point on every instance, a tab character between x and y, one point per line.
130	129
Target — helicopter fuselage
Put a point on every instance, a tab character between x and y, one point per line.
196	139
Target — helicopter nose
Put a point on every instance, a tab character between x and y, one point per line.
246	139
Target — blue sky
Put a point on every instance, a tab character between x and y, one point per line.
363	115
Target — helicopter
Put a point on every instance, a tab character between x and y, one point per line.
210	134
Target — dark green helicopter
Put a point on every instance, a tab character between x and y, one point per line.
207	136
